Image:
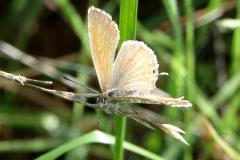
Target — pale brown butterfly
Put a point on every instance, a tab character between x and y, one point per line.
133	74
131	78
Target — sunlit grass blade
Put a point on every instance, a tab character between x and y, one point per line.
95	137
128	20
228	24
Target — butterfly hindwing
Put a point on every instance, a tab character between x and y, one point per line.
147	97
135	67
103	36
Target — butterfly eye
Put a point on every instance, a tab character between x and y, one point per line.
115	93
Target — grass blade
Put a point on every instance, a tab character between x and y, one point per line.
95	137
127	23
177	83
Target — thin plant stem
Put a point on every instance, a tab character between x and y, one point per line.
232	112
127	23
190	57
177	83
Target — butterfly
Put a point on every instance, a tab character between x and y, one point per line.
132	76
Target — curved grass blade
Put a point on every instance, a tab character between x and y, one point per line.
96	137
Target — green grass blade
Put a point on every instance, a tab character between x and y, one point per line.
128	20
95	137
190	55
227	91
177	82
127	23
30	145
214	4
232	112
235	45
120	130
226	147
205	106
34	121
155	37
190	58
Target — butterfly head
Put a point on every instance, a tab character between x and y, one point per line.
115	93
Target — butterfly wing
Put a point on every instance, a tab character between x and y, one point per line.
103	36
135	67
148	98
135	73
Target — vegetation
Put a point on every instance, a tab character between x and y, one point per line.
196	42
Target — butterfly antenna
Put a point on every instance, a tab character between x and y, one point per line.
80	84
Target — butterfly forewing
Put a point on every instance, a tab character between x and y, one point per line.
103	36
135	67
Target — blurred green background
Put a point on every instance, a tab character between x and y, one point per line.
196	42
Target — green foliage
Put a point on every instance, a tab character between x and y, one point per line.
183	38
95	137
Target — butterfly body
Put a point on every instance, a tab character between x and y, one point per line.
109	96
